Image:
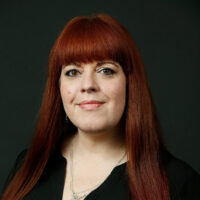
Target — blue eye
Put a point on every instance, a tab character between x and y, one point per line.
108	71
71	72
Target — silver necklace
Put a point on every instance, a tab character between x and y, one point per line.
75	195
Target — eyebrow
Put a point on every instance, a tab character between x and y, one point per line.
107	62
98	64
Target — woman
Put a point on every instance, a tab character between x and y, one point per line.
98	136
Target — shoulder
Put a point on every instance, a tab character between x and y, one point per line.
16	165
183	179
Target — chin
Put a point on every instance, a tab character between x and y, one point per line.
92	128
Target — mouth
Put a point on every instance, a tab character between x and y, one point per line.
90	106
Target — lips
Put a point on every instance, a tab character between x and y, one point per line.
91	102
91	105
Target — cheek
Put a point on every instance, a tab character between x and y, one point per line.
116	91
66	93
69	92
119	88
119	94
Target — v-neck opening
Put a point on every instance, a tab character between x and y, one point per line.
95	192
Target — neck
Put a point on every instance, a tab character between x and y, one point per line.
98	146
95	144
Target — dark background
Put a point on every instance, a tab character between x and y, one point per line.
166	34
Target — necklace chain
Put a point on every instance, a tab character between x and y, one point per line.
76	194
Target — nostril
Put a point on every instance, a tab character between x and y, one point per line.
89	90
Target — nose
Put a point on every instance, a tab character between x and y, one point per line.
89	83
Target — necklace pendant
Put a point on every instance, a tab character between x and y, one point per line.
75	197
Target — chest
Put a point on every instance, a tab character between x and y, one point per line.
84	181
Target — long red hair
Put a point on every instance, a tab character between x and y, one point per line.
86	39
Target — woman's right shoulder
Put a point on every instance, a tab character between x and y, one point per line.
16	165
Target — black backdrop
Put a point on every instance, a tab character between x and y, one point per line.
166	34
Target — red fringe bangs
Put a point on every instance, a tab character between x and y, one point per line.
89	40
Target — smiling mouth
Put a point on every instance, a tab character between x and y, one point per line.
91	106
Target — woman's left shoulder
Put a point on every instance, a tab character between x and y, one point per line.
183	179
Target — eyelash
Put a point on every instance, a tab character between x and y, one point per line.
112	71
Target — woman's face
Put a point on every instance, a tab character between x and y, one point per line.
102	82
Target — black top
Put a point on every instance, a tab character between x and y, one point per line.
184	180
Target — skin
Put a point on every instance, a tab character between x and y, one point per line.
97	138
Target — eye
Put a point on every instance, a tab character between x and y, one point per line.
108	71
71	72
